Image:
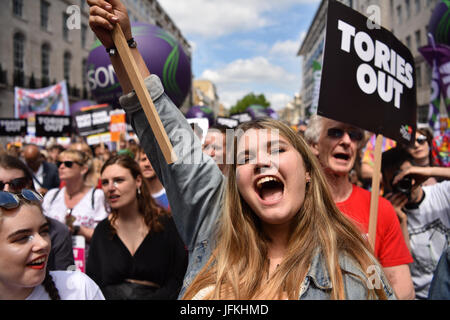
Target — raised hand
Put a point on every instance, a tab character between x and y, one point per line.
103	15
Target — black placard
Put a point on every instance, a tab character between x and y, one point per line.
368	77
13	127
93	121
53	126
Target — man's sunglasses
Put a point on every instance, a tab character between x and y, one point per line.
337	133
10	200
67	164
15	184
421	139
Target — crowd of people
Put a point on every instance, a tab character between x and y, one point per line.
269	214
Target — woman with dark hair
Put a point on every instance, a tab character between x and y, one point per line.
15	176
136	253
421	152
24	251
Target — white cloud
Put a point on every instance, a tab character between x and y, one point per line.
278	100
242	76
257	70
213	18
288	48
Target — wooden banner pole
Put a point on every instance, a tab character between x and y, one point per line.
142	93
375	191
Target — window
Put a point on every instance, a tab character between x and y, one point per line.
45	6
65	30
417	6
418	39
419	76
18	8
83	35
45	61
18	47
66	67
408	42
407	9
399	14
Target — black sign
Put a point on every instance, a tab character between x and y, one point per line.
53	126
13	127
368	77
228	122
93	121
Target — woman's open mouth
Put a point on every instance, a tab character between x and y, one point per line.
38	263
269	189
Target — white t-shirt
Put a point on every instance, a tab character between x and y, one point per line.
429	234
83	212
71	285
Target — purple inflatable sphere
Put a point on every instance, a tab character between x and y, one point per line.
439	23
201	112
161	52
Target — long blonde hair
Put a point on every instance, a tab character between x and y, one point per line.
238	266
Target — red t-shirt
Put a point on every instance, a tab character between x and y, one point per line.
390	246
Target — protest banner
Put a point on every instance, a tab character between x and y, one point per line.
53	126
79	252
49	100
376	73
13	127
93	121
118	124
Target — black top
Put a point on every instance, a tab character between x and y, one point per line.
161	258
61	254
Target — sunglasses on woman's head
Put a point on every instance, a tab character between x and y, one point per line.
16	184
337	133
67	164
10	200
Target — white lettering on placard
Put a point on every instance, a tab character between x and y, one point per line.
12	125
394	72
53	124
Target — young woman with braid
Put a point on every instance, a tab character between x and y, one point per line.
24	250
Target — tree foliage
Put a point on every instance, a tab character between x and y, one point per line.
248	100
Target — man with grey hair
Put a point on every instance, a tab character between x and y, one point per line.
336	145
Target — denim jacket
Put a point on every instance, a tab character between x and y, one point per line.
195	188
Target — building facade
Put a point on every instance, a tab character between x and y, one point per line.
406	19
205	94
39	48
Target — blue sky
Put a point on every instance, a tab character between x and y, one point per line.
246	46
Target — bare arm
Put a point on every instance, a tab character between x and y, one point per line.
425	172
401	282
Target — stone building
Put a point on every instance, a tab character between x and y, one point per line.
406	19
37	48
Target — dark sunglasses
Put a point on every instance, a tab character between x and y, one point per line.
15	184
10	200
421	139
67	164
337	133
